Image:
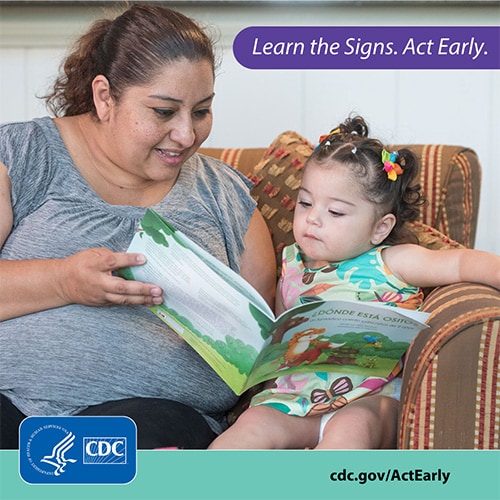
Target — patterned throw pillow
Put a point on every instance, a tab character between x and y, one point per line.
430	237
277	177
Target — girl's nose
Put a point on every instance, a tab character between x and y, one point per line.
313	217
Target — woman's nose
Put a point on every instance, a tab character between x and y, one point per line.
183	132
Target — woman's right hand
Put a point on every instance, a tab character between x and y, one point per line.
88	277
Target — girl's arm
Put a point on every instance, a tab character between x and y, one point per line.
422	267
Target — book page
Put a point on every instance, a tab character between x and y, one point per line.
235	281
205	302
338	336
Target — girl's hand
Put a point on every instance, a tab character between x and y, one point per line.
87	278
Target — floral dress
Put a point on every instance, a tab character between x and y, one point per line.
364	278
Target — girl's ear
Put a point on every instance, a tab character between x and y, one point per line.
382	228
103	101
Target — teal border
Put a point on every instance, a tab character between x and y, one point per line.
219	475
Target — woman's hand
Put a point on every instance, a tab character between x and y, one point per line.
88	278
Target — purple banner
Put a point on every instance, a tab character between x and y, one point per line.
368	47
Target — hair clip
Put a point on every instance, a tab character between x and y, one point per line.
354	150
324	136
390	166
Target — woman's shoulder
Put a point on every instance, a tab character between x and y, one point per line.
31	151
219	170
216	183
28	126
36	133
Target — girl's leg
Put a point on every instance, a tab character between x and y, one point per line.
367	423
263	427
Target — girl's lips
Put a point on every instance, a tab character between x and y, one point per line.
311	237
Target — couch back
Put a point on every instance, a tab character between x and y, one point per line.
450	179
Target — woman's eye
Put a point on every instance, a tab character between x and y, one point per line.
201	113
163	113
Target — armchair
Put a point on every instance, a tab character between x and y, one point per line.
451	382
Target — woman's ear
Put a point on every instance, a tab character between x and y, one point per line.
382	228
103	101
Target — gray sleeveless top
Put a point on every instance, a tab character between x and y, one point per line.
58	362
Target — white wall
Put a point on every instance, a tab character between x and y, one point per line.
253	106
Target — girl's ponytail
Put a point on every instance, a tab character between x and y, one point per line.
389	179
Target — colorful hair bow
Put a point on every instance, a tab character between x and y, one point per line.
390	165
324	136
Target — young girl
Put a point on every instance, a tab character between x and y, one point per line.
349	227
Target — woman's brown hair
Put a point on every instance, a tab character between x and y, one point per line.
129	50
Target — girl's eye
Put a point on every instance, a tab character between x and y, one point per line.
305	204
335	213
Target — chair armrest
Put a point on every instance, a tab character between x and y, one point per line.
449	397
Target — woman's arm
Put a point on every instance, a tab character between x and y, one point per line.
258	263
279	306
5	205
428	268
28	286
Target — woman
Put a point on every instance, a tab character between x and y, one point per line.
132	107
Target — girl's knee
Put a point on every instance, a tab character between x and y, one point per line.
261	423
278	429
257	416
366	423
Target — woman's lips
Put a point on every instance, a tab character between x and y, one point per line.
170	157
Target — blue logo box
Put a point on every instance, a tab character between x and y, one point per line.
78	450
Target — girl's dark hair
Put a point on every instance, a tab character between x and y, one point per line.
129	50
350	145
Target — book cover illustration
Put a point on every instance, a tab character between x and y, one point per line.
230	325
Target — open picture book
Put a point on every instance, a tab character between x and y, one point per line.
232	327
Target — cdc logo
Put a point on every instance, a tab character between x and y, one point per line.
105	450
77	450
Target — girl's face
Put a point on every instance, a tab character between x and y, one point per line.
153	129
333	221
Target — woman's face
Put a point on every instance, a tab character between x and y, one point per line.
153	129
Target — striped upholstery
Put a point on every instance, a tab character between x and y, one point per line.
451	386
242	159
451	180
451	383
